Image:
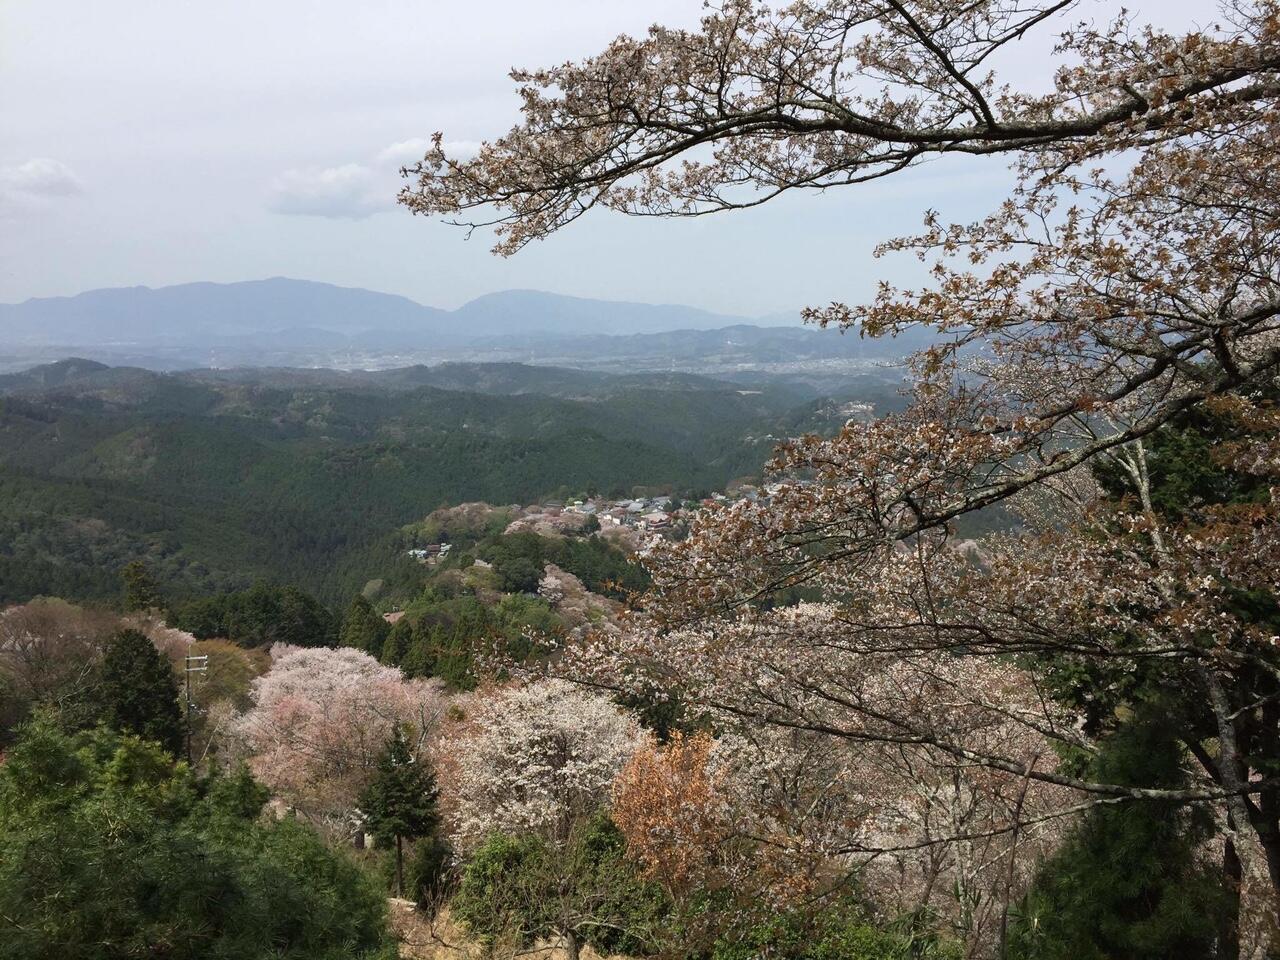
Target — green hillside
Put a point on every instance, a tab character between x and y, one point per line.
300	477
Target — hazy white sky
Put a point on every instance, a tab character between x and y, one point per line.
163	141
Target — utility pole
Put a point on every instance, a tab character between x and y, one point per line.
193	665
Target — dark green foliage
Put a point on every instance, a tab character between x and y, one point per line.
516	890
425	640
400	801
518	574
259	617
303	620
519	559
445	649
219	484
500	890
139	694
660	712
111	851
1183	471
1128	882
237	794
363	627
447	632
141	592
829	931
397	643
429	874
1185	478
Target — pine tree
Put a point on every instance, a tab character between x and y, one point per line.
397	643
400	803
363	628
418	659
139	692
141	592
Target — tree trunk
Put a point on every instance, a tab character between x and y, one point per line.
400	867
571	947
1232	875
1235	778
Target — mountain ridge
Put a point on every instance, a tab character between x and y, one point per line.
208	311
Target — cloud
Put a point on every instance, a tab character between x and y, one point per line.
408	152
29	185
405	152
350	192
355	190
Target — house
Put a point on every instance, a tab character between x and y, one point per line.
431	553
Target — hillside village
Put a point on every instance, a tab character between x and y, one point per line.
626	520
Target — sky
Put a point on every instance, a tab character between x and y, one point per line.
157	142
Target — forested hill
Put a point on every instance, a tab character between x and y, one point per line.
217	479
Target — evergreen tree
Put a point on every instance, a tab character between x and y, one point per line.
260	616
400	802
397	643
453	656
363	628
419	659
304	621
1128	883
139	692
141	592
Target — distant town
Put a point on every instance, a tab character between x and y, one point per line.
657	515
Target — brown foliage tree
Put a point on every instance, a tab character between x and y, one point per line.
49	657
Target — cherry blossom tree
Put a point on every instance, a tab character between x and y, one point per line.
1129	283
538	759
1140	293
319	721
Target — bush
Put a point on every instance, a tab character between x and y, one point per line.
517	890
430	875
839	931
109	850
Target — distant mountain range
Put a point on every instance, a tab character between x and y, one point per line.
306	310
299	323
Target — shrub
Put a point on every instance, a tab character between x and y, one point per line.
110	850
